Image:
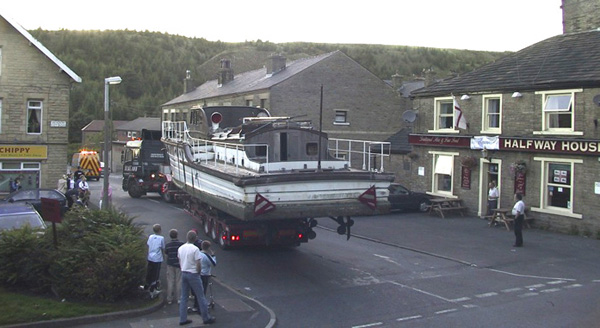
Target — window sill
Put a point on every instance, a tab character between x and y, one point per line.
559	133
490	132
337	123
557	212
448	131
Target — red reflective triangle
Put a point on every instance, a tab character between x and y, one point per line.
262	205
369	198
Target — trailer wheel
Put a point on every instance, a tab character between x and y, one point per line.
165	194
214	233
222	242
206	226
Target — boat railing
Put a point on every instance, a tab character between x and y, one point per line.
370	153
225	154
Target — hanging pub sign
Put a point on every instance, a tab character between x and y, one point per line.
520	182
465	177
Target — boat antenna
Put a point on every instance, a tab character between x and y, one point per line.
320	130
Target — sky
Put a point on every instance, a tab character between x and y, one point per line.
491	25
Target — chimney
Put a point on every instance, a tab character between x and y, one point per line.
580	15
276	64
397	81
429	76
226	72
188	83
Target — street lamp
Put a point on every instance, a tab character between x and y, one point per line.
107	140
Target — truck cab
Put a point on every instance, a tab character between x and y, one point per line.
145	164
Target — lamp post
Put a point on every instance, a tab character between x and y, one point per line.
107	140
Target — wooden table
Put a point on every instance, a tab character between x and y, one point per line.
442	205
504	215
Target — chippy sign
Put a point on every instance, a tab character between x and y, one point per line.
23	152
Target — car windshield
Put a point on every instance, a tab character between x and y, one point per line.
19	220
25	195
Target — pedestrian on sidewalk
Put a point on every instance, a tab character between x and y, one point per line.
189	260
156	248
208	261
493	195
519	212
173	269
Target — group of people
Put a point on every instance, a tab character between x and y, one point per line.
189	267
75	187
518	211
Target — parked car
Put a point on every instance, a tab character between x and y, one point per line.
15	216
401	198
34	197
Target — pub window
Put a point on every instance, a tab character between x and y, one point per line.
443	172
492	113
557	186
558	112
34	117
444	115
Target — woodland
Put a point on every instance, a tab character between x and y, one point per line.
153	66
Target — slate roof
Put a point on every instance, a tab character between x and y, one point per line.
98	125
150	123
560	62
249	81
43	49
399	142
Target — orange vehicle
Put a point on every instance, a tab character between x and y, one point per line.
89	161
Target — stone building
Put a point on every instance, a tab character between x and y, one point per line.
34	110
532	128
126	131
356	103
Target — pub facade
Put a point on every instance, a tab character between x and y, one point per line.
531	127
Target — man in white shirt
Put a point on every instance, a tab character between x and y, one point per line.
189	259
493	195
519	212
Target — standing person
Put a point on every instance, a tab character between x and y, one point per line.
62	184
102	195
189	259
173	269
84	190
156	248
493	195
15	185
72	186
208	261
519	212
77	174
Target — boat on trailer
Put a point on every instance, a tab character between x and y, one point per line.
256	179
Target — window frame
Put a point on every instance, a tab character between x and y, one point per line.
436	115
0	100
29	108
485	114
434	181
546	113
339	113
544	184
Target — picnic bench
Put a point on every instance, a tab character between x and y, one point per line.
504	215
442	205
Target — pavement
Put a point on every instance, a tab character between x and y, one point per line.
467	240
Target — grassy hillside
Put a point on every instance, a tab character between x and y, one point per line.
153	65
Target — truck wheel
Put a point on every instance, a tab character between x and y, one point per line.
134	190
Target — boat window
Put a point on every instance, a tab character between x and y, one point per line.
312	149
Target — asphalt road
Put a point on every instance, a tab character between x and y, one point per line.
408	270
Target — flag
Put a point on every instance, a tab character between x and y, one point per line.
459	118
